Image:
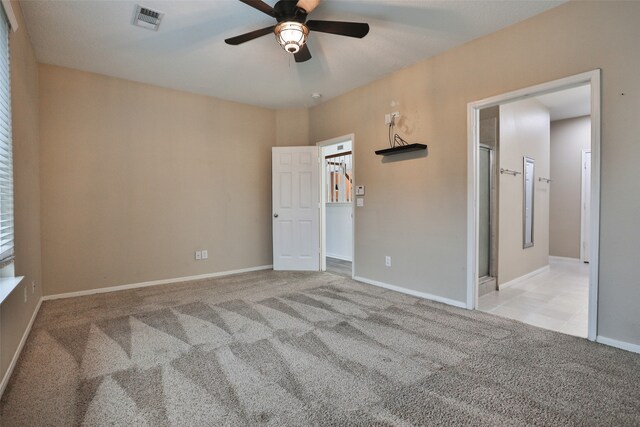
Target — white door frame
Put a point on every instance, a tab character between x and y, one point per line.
583	228
323	210
473	135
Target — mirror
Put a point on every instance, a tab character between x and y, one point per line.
528	174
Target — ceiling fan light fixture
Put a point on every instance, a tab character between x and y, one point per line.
291	35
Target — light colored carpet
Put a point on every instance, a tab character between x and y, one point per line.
281	348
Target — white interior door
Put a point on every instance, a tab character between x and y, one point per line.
586	205
296	206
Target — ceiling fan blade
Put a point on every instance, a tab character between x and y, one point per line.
303	54
350	29
308	5
249	36
261	6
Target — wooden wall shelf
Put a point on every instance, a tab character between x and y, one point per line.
401	149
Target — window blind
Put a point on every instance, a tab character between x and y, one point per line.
6	150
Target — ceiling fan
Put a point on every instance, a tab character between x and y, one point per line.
292	28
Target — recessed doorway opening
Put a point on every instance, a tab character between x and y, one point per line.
337	205
534	203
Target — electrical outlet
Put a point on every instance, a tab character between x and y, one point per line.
205	254
387	261
25	294
198	255
391	118
33	287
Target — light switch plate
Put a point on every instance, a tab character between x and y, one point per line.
359	190
359	202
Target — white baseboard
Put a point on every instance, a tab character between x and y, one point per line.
523	278
418	294
563	259
618	344
14	360
340	257
155	283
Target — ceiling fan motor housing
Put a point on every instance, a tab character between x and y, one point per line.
288	10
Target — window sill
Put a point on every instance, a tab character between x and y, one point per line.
7	285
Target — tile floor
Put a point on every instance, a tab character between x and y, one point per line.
556	299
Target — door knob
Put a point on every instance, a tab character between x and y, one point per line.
275	215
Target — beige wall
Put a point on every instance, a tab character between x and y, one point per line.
135	178
568	138
524	131
15	313
292	127
415	209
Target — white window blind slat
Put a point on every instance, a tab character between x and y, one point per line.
4	127
3	117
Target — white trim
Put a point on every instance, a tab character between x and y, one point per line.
323	208
594	241
11	16
424	295
155	283
563	259
12	365
618	344
473	121
473	208
524	277
340	257
7	285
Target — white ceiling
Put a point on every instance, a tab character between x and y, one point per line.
188	52
569	103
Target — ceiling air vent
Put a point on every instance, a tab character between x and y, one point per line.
147	18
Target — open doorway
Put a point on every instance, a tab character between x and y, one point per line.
336	207
534	205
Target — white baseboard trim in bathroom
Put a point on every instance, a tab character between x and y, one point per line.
156	282
340	257
14	360
563	259
635	348
418	294
523	278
